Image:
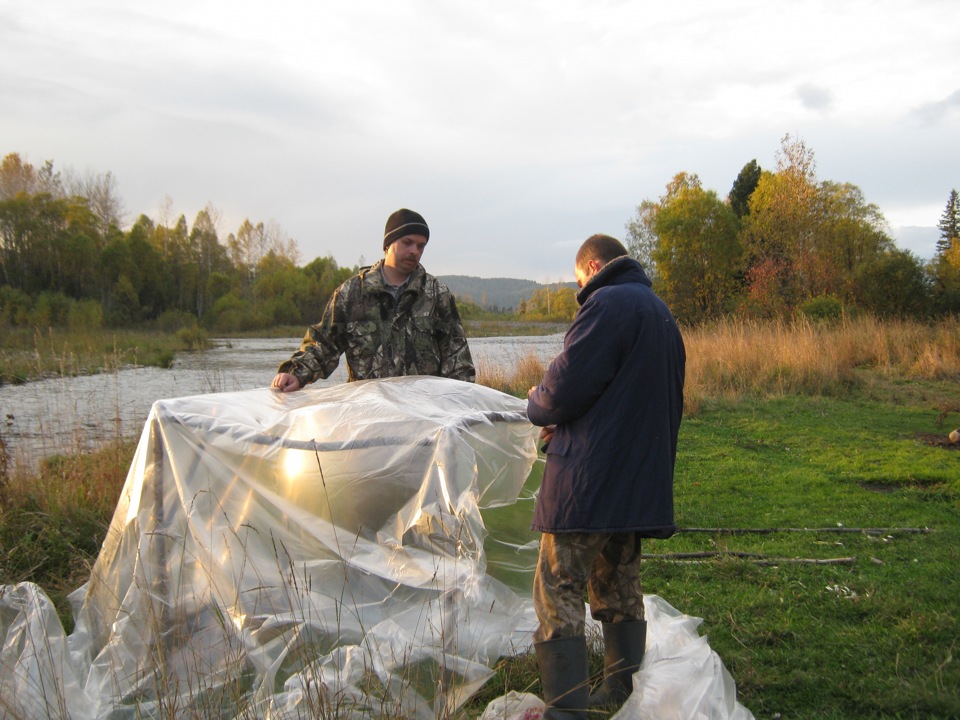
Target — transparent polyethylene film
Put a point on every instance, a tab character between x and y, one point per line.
278	555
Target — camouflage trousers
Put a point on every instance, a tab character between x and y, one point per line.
604	566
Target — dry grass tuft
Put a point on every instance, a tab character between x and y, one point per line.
526	372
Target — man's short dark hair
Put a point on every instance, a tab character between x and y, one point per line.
601	248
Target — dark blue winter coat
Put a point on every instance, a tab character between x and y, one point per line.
615	393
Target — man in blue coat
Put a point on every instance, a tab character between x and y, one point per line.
610	406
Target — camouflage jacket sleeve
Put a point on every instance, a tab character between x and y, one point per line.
455	359
322	344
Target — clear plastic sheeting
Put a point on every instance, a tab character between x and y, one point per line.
320	554
317	553
681	676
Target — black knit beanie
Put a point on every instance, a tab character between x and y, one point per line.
404	222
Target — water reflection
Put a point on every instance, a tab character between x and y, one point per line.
66	414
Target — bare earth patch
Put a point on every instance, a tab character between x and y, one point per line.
936	440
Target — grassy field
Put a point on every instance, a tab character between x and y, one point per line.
820	501
871	632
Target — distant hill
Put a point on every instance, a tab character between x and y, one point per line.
494	293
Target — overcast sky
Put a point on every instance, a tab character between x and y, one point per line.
516	127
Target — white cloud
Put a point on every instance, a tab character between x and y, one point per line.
814	97
517	129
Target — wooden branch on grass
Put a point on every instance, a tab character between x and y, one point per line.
757	558
770	531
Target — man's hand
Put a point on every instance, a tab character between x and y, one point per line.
546	433
285	382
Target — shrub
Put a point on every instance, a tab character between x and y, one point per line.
15	306
173	320
85	315
192	338
825	307
51	309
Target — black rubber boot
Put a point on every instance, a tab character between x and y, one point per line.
563	674
623	647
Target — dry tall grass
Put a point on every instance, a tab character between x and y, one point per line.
735	358
526	372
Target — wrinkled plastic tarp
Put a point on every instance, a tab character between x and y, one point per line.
312	554
273	551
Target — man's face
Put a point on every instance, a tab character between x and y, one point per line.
403	255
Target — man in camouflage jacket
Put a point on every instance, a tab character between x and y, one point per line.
389	320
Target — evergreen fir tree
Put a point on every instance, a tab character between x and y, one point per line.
743	187
949	223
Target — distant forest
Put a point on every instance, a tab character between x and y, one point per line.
780	243
498	294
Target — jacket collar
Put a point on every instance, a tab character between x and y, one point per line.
373	277
619	270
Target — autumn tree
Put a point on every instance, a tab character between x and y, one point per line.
176	249
949	299
16	177
148	269
281	287
851	233
781	228
554	304
697	252
641	238
805	239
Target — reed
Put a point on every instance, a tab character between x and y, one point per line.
30	354
526	372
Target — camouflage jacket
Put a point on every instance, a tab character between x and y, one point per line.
418	334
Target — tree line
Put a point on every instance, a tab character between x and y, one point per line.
65	261
783	243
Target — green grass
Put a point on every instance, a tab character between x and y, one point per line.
877	637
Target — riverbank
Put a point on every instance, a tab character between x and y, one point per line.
27	355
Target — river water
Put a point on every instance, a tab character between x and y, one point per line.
76	413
